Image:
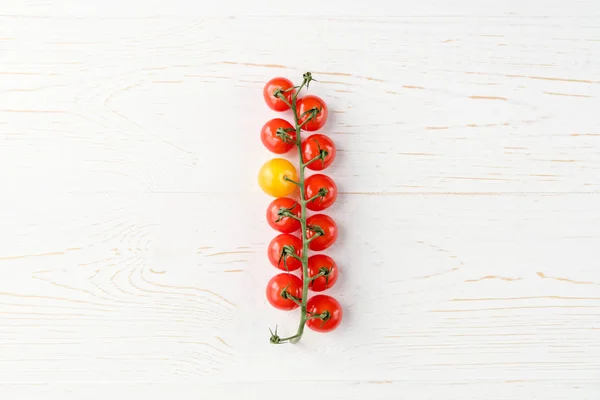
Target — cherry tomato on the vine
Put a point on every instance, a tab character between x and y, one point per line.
283	224
328	228
276	247
288	282
272	174
312	185
307	103
274	84
318	263
323	304
311	148
273	142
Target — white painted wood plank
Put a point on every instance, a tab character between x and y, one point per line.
469	166
378	390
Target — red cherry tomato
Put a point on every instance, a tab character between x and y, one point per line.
276	247
323	304
308	103
324	224
273	142
288	282
283	224
311	148
312	185
316	264
273	102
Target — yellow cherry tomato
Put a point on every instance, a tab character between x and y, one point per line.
271	177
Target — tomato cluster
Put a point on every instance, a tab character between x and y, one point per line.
294	196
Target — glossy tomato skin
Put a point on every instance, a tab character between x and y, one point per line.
329	227
271	177
310	150
315	263
275	248
273	102
319	304
307	103
312	185
291	283
274	143
285	224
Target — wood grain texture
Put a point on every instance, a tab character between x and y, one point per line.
132	256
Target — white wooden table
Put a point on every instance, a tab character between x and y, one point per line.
132	236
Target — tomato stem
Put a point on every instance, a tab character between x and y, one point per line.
277	340
317	234
283	135
322	272
323	316
293	255
286	213
307	119
322	155
304	255
322	193
287	295
279	94
285	178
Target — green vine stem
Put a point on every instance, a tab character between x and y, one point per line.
304	315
